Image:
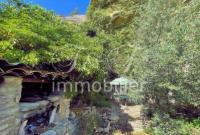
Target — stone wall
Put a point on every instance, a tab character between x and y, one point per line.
12	113
10	94
64	108
61	124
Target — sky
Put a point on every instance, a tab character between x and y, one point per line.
62	7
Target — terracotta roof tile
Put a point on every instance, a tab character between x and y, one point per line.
24	71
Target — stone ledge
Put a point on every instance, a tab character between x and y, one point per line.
25	107
54	98
26	115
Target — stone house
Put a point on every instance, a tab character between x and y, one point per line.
30	102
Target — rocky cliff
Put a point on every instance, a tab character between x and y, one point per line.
116	13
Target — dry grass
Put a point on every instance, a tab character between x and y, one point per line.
132	111
133	133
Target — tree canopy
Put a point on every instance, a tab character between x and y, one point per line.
158	45
32	35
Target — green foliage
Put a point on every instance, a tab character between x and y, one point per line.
71	93
159	46
169	53
99	100
132	97
88	123
32	35
166	126
114	19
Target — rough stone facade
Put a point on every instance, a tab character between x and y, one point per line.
10	93
13	113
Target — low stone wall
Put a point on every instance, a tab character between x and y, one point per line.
10	93
61	126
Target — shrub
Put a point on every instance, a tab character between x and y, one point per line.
167	40
167	126
99	100
88	123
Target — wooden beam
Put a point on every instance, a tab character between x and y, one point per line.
28	80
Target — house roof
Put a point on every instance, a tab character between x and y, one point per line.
29	74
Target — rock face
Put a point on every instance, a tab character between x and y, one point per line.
118	13
50	132
10	93
76	18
